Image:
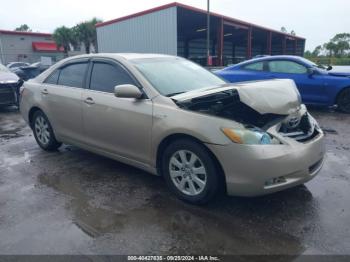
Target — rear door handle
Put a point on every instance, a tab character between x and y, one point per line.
44	91
89	101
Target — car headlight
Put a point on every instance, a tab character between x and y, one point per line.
314	123
247	136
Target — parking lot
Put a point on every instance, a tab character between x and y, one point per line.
76	202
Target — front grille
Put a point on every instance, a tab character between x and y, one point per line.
304	132
8	94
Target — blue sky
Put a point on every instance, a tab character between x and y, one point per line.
316	20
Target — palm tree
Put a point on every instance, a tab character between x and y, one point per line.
93	22
63	37
83	35
23	28
283	29
86	33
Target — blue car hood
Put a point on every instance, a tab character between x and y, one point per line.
340	74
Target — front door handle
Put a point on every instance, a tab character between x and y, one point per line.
44	91
89	101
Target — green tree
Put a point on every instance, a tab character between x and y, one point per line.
342	41
93	22
23	28
283	29
317	51
86	33
292	32
64	37
307	53
331	47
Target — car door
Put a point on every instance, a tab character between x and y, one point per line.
311	87
120	126
62	99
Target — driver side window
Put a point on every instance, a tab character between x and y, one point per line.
259	66
287	67
104	77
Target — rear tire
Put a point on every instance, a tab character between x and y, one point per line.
343	101
190	171
43	132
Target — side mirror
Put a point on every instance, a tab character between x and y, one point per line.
310	71
127	91
329	67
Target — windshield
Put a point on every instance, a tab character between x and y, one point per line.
3	68
310	63
174	75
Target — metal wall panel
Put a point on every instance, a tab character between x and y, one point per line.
19	48
150	33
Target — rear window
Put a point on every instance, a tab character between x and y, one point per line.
73	75
53	78
259	66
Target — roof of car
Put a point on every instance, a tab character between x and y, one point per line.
127	56
272	57
267	58
139	56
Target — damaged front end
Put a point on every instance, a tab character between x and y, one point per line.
9	88
9	93
257	106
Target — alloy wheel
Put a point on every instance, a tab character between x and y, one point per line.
42	131
187	172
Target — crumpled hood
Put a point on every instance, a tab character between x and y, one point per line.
8	77
277	96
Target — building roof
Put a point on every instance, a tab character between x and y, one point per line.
195	9
9	32
46	47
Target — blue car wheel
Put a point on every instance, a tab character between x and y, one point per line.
343	101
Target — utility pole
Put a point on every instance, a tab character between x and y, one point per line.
208	33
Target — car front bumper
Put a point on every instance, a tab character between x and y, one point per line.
253	170
8	94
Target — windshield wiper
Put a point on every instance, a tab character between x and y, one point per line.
173	94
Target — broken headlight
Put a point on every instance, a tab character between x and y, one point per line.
252	136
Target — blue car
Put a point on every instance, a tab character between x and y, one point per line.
317	85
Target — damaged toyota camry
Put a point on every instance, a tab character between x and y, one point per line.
173	118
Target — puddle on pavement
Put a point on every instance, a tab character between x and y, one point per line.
160	217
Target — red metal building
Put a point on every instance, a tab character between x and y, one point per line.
180	29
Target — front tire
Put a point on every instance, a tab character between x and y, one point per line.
343	101
43	132
190	171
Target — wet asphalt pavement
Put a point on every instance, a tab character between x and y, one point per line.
76	202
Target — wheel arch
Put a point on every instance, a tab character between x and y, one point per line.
173	137
339	93
31	114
